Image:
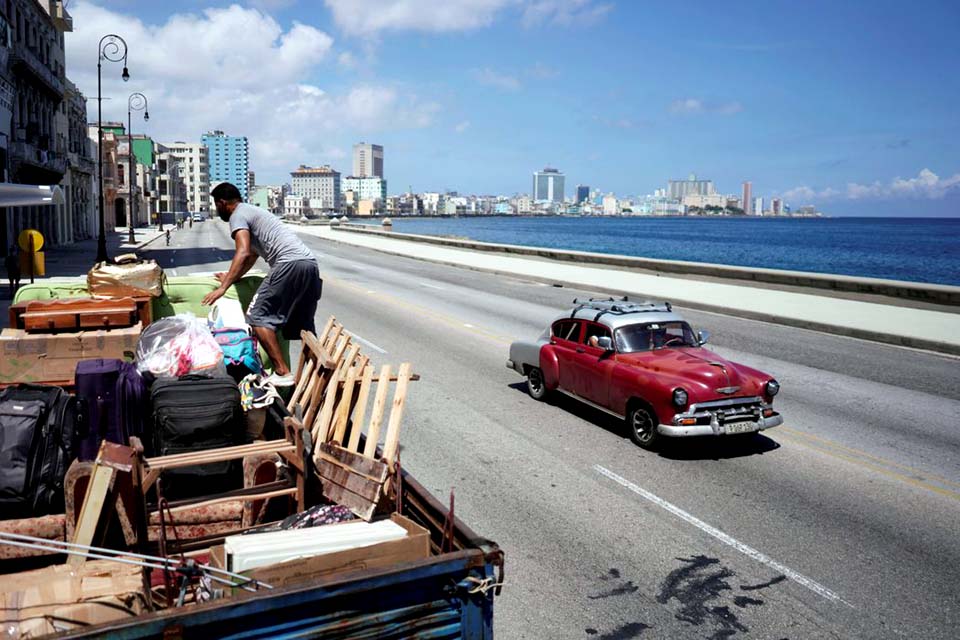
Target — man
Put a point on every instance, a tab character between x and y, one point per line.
288	296
12	263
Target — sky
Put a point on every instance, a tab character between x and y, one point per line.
851	106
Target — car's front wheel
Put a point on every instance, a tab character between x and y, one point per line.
642	425
536	386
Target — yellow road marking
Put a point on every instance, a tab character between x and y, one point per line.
864	454
424	311
877	468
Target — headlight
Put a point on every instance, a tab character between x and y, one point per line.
773	388
680	397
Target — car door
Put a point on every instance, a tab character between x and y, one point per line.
593	365
565	338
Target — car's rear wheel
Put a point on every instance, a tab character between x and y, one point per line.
642	425
536	386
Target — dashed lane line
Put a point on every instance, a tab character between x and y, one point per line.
749	551
367	342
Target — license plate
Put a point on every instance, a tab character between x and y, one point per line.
741	427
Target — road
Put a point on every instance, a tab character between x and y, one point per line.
842	523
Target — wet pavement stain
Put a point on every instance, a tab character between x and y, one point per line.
619	590
699	586
627	631
762	585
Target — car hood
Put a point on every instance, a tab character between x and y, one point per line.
704	374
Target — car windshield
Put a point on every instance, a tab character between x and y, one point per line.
654	335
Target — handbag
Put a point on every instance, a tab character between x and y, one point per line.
126	276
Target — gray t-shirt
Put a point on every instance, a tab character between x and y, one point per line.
272	240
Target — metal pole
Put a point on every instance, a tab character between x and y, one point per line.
101	238
131	183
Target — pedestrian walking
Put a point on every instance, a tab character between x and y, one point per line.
12	264
287	298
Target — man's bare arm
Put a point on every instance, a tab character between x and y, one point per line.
243	259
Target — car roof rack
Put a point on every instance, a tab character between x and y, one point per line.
619	306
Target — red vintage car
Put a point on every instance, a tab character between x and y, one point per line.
641	362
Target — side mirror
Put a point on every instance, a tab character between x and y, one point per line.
605	343
702	337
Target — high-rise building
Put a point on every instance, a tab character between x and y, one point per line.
195	167
367	160
677	189
228	160
747	198
776	206
548	185
758	206
583	193
320	184
251	180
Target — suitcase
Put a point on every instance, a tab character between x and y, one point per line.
38	427
196	413
114	396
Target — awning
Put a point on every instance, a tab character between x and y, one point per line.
26	195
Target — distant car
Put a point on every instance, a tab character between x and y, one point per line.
641	362
198	217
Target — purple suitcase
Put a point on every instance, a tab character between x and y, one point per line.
114	397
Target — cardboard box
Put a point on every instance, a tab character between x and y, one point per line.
45	601
415	546
52	358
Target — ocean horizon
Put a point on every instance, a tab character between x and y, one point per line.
908	249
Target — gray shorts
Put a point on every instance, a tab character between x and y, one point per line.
287	299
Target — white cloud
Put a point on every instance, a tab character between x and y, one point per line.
371	17
542	71
691	106
235	69
462	126
926	185
564	12
347	60
496	79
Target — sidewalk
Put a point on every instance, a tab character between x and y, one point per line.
75	260
899	325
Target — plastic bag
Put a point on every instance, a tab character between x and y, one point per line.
177	346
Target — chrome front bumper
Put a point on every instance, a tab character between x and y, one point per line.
714	428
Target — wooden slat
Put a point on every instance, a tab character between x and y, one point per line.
223	453
353	482
323	374
359	412
362	507
311	345
376	415
342	416
304	374
92	508
329	345
392	441
368	467
321	429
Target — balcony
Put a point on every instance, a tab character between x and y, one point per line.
35	156
61	19
25	61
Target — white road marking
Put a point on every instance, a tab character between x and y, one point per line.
370	291
173	272
368	343
468	325
762	558
432	286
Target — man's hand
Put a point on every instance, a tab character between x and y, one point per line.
219	276
214	295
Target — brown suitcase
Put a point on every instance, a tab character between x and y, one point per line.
77	313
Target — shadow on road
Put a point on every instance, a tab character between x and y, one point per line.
185	257
706	448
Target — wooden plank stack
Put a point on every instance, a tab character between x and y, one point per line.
334	385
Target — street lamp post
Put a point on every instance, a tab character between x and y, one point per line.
113	48
136	102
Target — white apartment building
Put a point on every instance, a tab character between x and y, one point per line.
195	165
321	184
369	188
295	207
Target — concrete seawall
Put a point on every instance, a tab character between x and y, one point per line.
906	291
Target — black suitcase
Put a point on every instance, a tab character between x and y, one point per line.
38	430
196	413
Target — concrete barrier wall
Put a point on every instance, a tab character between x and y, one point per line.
923	292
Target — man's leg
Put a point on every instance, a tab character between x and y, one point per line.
268	338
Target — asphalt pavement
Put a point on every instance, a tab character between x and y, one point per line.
842	523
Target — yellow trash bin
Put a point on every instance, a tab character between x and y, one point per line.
39	264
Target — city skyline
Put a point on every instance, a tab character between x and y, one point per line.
339	72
